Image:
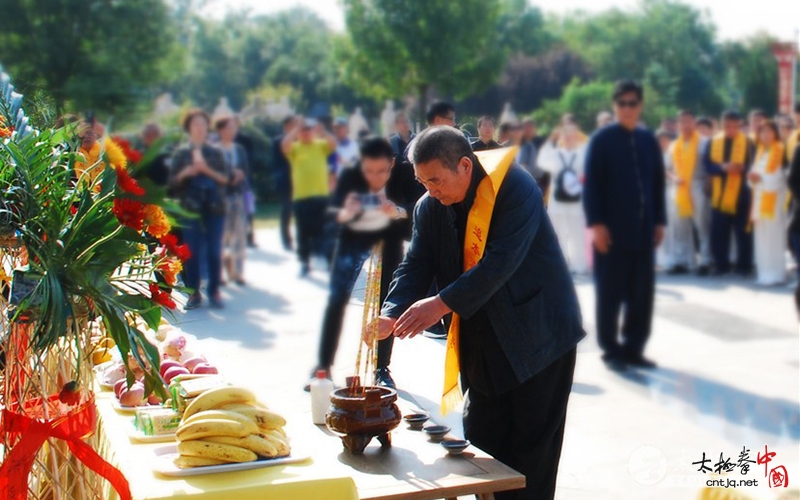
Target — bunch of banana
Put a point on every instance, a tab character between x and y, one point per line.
226	425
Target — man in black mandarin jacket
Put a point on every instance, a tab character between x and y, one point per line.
520	317
623	198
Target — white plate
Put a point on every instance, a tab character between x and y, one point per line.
165	455
125	410
136	436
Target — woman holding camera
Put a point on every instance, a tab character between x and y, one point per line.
199	177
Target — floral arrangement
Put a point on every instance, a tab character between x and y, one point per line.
101	247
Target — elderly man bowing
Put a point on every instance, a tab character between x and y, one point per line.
483	234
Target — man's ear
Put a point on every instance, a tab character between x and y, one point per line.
394	160
466	162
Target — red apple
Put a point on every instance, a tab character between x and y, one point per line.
166	365
173	372
205	369
189	364
133	396
153	399
119	386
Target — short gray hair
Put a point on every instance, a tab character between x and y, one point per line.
443	143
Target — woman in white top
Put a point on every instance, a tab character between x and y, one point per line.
768	181
564	160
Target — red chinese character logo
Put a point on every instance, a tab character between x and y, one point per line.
765	459
478	233
475	249
778	477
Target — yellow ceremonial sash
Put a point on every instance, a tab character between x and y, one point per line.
724	199
769	199
684	157
791	149
496	163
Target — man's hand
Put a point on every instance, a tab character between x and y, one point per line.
735	167
754	177
385	328
601	238
420	316
658	235
351	208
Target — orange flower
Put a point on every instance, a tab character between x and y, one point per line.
161	297
5	131
129	213
155	221
127	183
170	269
114	154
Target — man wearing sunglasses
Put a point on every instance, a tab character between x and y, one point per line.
623	198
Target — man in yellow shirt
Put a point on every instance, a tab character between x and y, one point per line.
307	148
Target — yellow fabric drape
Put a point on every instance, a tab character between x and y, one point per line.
684	157
769	199
496	162
724	198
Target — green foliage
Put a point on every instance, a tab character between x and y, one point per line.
752	77
103	55
396	48
288	53
583	100
670	38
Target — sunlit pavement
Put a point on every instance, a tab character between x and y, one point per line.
728	377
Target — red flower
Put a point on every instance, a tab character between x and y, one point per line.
70	395
133	155
170	241
127	183
73	210
129	213
161	297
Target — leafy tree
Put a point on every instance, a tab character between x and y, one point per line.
95	54
752	74
527	81
241	53
396	48
583	100
675	36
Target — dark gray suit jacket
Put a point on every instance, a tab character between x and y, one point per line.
522	281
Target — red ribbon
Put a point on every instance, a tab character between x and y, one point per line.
73	427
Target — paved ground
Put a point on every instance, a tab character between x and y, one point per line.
729	377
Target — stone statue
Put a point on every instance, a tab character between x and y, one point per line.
357	123
164	106
223	109
254	109
508	115
278	110
388	116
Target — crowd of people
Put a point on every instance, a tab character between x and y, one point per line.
719	204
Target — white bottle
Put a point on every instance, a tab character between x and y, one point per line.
321	388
